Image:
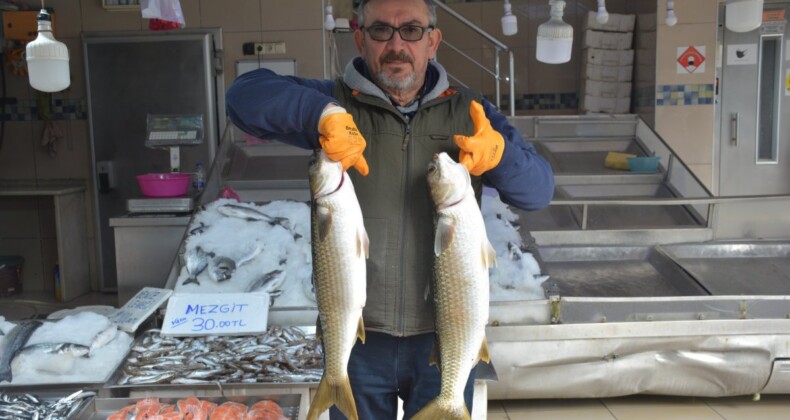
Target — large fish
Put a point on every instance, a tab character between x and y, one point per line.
460	285
14	342
340	247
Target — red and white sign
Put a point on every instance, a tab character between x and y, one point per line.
691	60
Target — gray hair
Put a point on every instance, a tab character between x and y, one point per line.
429	3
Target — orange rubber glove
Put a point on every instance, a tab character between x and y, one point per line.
482	151
341	140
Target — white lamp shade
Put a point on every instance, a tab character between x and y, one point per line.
555	37
671	19
743	15
329	20
47	60
553	50
509	25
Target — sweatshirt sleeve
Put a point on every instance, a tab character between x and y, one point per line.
523	178
285	108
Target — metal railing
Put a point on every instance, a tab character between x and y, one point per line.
499	46
711	202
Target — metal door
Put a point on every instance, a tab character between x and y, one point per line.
754	148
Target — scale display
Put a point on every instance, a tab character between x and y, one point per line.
174	130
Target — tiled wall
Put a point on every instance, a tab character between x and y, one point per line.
685	110
540	88
693	94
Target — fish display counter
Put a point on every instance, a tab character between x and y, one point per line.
253	407
565	321
81	349
46	405
696	319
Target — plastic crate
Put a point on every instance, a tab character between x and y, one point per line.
10	275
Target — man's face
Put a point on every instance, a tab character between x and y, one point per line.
397	65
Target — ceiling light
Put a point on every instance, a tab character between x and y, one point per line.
509	22
602	16
743	15
47	58
329	22
555	37
671	19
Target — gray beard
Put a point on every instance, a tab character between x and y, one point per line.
393	85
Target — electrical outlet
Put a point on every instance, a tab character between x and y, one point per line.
269	48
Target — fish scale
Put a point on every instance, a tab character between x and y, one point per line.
463	256
339	247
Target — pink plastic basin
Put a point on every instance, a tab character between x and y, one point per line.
164	185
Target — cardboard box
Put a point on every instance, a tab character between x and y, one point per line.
609	57
22	26
606	105
608	40
607	73
616	23
606	89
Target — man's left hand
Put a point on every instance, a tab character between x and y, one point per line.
482	151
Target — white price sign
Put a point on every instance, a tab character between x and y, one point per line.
194	314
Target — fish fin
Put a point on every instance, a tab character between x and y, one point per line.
328	395
363	243
361	330
191	280
436	356
445	233
324	216
483	355
433	411
488	254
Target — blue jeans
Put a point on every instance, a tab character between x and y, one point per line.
387	367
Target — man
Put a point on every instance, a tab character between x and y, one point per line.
389	114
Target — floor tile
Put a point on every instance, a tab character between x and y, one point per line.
769	407
660	407
557	410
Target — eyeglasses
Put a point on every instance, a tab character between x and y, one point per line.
407	32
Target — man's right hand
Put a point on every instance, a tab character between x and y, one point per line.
341	140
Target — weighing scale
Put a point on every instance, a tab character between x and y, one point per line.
169	132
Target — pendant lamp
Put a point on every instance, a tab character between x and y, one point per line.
555	37
509	21
47	58
743	15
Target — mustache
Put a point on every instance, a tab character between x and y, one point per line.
397	56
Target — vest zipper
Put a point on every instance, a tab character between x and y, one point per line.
407	136
404	227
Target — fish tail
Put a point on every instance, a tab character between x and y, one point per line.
433	411
329	395
191	280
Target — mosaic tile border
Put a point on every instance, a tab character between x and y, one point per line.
645	97
676	95
540	101
59	109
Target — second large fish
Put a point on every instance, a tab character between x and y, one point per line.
460	285
340	248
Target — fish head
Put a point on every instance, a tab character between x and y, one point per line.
326	175
448	180
223	268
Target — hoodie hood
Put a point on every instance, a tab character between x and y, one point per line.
358	77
